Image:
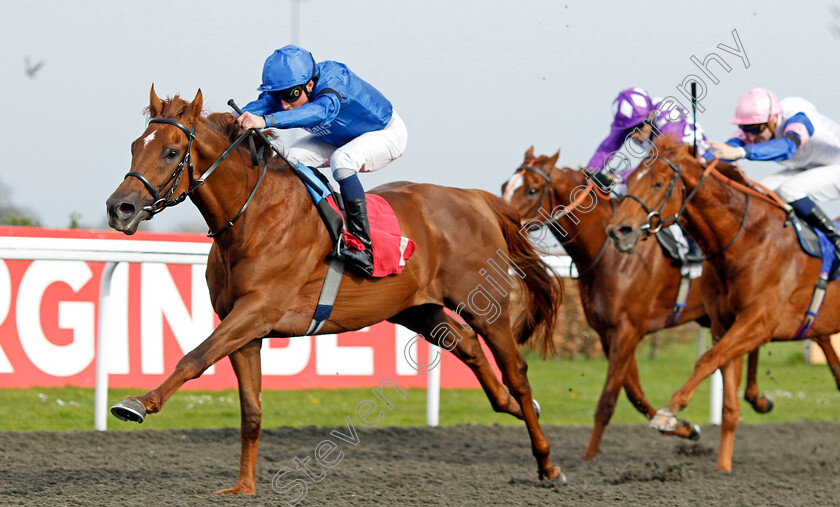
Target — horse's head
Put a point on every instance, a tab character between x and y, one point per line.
159	157
530	187
654	197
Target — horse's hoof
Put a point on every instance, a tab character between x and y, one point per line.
664	420
554	474
695	432
536	407
129	409
769	403
235	491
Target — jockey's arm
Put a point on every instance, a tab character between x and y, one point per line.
320	111
797	131
608	146
262	106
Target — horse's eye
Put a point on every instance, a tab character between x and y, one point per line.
532	191
658	185
172	154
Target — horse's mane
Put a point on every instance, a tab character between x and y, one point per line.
682	155
221	123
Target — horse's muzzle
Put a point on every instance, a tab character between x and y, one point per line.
125	214
624	237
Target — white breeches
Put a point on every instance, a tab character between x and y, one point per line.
820	183
368	152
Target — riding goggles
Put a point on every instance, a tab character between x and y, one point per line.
754	129
289	94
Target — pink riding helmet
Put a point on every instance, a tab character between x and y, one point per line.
758	105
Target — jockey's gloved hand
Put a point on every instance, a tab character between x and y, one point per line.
603	179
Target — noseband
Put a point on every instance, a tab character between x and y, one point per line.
655	214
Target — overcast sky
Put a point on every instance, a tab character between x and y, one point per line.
477	82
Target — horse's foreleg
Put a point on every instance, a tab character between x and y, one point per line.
246	365
246	322
731	371
761	404
620	346
750	331
830	357
633	388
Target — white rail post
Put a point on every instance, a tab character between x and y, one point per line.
433	389
715	384
100	397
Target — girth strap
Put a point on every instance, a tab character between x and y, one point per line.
329	291
813	311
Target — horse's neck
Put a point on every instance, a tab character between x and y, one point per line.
582	238
280	203
714	216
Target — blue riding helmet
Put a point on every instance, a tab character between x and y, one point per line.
287	67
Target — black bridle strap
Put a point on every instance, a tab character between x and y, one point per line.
546	189
186	161
686	199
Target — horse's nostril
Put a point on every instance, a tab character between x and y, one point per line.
126	209
621	231
624	230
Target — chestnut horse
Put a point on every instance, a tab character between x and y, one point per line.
624	297
758	281
265	272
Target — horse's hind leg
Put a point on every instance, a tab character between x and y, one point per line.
761	404
830	357
246	365
499	338
619	345
425	320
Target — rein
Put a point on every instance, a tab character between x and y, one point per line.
590	186
161	203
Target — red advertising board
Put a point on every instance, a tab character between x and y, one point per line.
48	320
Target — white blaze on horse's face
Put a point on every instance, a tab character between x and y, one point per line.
515	181
148	139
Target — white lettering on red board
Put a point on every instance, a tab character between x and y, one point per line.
56	360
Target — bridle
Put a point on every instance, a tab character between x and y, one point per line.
162	202
546	189
655	214
553	219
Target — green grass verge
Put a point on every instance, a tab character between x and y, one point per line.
568	391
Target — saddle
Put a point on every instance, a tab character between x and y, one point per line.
390	248
815	243
678	246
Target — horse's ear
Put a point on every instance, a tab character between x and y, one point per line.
194	108
554	158
529	155
155	104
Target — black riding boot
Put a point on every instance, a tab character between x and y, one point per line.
357	225
820	220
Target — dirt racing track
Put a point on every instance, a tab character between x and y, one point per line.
775	464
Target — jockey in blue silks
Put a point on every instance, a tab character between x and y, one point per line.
353	128
806	143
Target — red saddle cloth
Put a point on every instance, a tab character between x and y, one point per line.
390	248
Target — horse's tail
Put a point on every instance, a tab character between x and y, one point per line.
542	289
